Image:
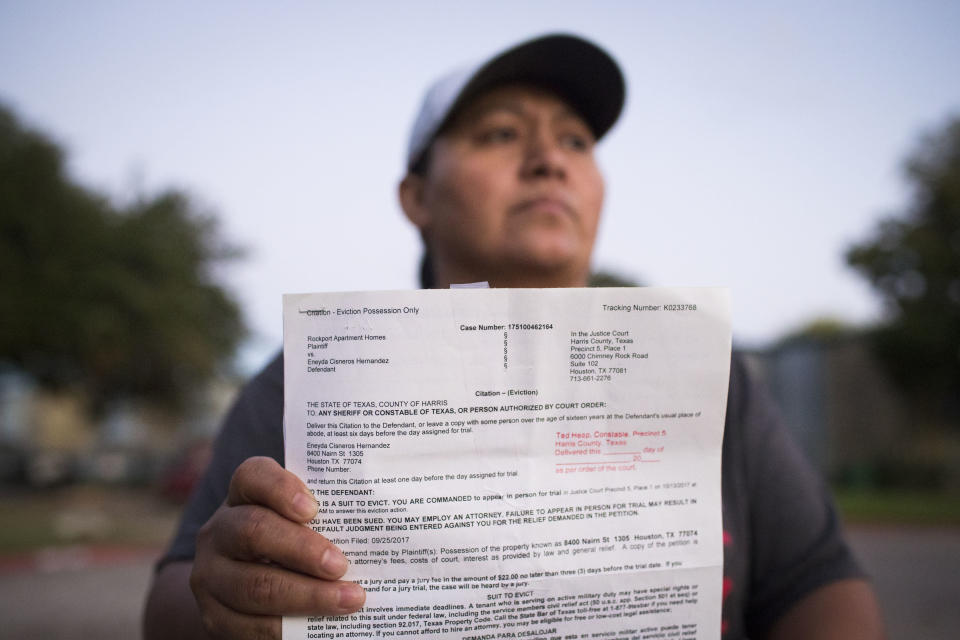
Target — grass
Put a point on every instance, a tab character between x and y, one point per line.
98	515
899	507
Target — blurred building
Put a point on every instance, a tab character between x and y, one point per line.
51	437
851	420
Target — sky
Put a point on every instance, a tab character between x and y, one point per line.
759	139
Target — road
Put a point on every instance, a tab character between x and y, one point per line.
916	572
96	602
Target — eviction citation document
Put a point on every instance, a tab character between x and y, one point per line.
514	463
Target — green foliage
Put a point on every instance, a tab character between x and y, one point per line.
609	279
820	329
913	261
119	301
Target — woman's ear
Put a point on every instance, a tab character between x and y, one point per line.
411	193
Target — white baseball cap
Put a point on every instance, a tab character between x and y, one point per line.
577	70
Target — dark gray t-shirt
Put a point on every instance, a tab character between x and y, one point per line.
782	538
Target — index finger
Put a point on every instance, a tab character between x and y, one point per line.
262	481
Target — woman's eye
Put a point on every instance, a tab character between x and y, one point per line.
499	135
575	141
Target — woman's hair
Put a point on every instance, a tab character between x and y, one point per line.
427	281
426	270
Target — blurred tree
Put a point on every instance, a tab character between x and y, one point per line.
820	329
610	279
913	261
122	302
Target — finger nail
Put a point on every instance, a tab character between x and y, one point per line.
352	596
334	562
305	505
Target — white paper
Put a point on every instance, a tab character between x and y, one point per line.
514	463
